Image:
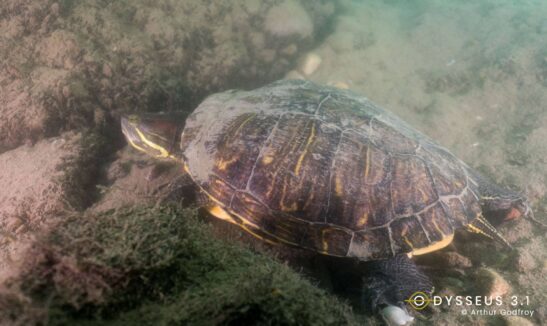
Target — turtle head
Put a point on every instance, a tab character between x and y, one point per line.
503	208
155	134
507	207
500	209
501	205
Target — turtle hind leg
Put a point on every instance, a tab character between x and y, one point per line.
392	282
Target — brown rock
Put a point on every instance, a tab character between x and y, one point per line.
140	55
517	321
524	261
520	229
107	70
55	8
454	259
31	196
21	118
139	180
491	283
59	50
289	19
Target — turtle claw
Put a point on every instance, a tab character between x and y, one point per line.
389	283
396	316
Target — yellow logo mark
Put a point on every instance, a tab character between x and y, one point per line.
419	300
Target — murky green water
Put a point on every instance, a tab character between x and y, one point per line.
472	75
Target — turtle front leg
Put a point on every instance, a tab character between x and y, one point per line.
389	283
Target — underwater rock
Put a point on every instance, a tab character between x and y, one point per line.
517	321
31	195
395	316
293	74
71	66
151	266
451	261
133	181
455	259
310	63
139	56
491	283
58	50
289	19
524	261
22	119
339	84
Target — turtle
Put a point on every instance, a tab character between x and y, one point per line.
326	169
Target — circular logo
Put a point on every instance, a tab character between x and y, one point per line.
418	300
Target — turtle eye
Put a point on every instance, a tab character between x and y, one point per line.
134	119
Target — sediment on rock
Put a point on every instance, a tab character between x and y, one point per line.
151	266
64	63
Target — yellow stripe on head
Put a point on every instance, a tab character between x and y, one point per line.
163	151
137	146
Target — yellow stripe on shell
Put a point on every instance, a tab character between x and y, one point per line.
435	246
493	197
363	220
367	164
293	206
256	235
248	226
244	123
338	186
437	227
301	158
267	159
223	164
408	242
222	214
324	243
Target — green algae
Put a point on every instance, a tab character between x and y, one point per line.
159	266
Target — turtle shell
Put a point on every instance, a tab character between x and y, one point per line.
325	169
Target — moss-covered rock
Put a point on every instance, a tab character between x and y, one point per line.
30	195
158	266
64	61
